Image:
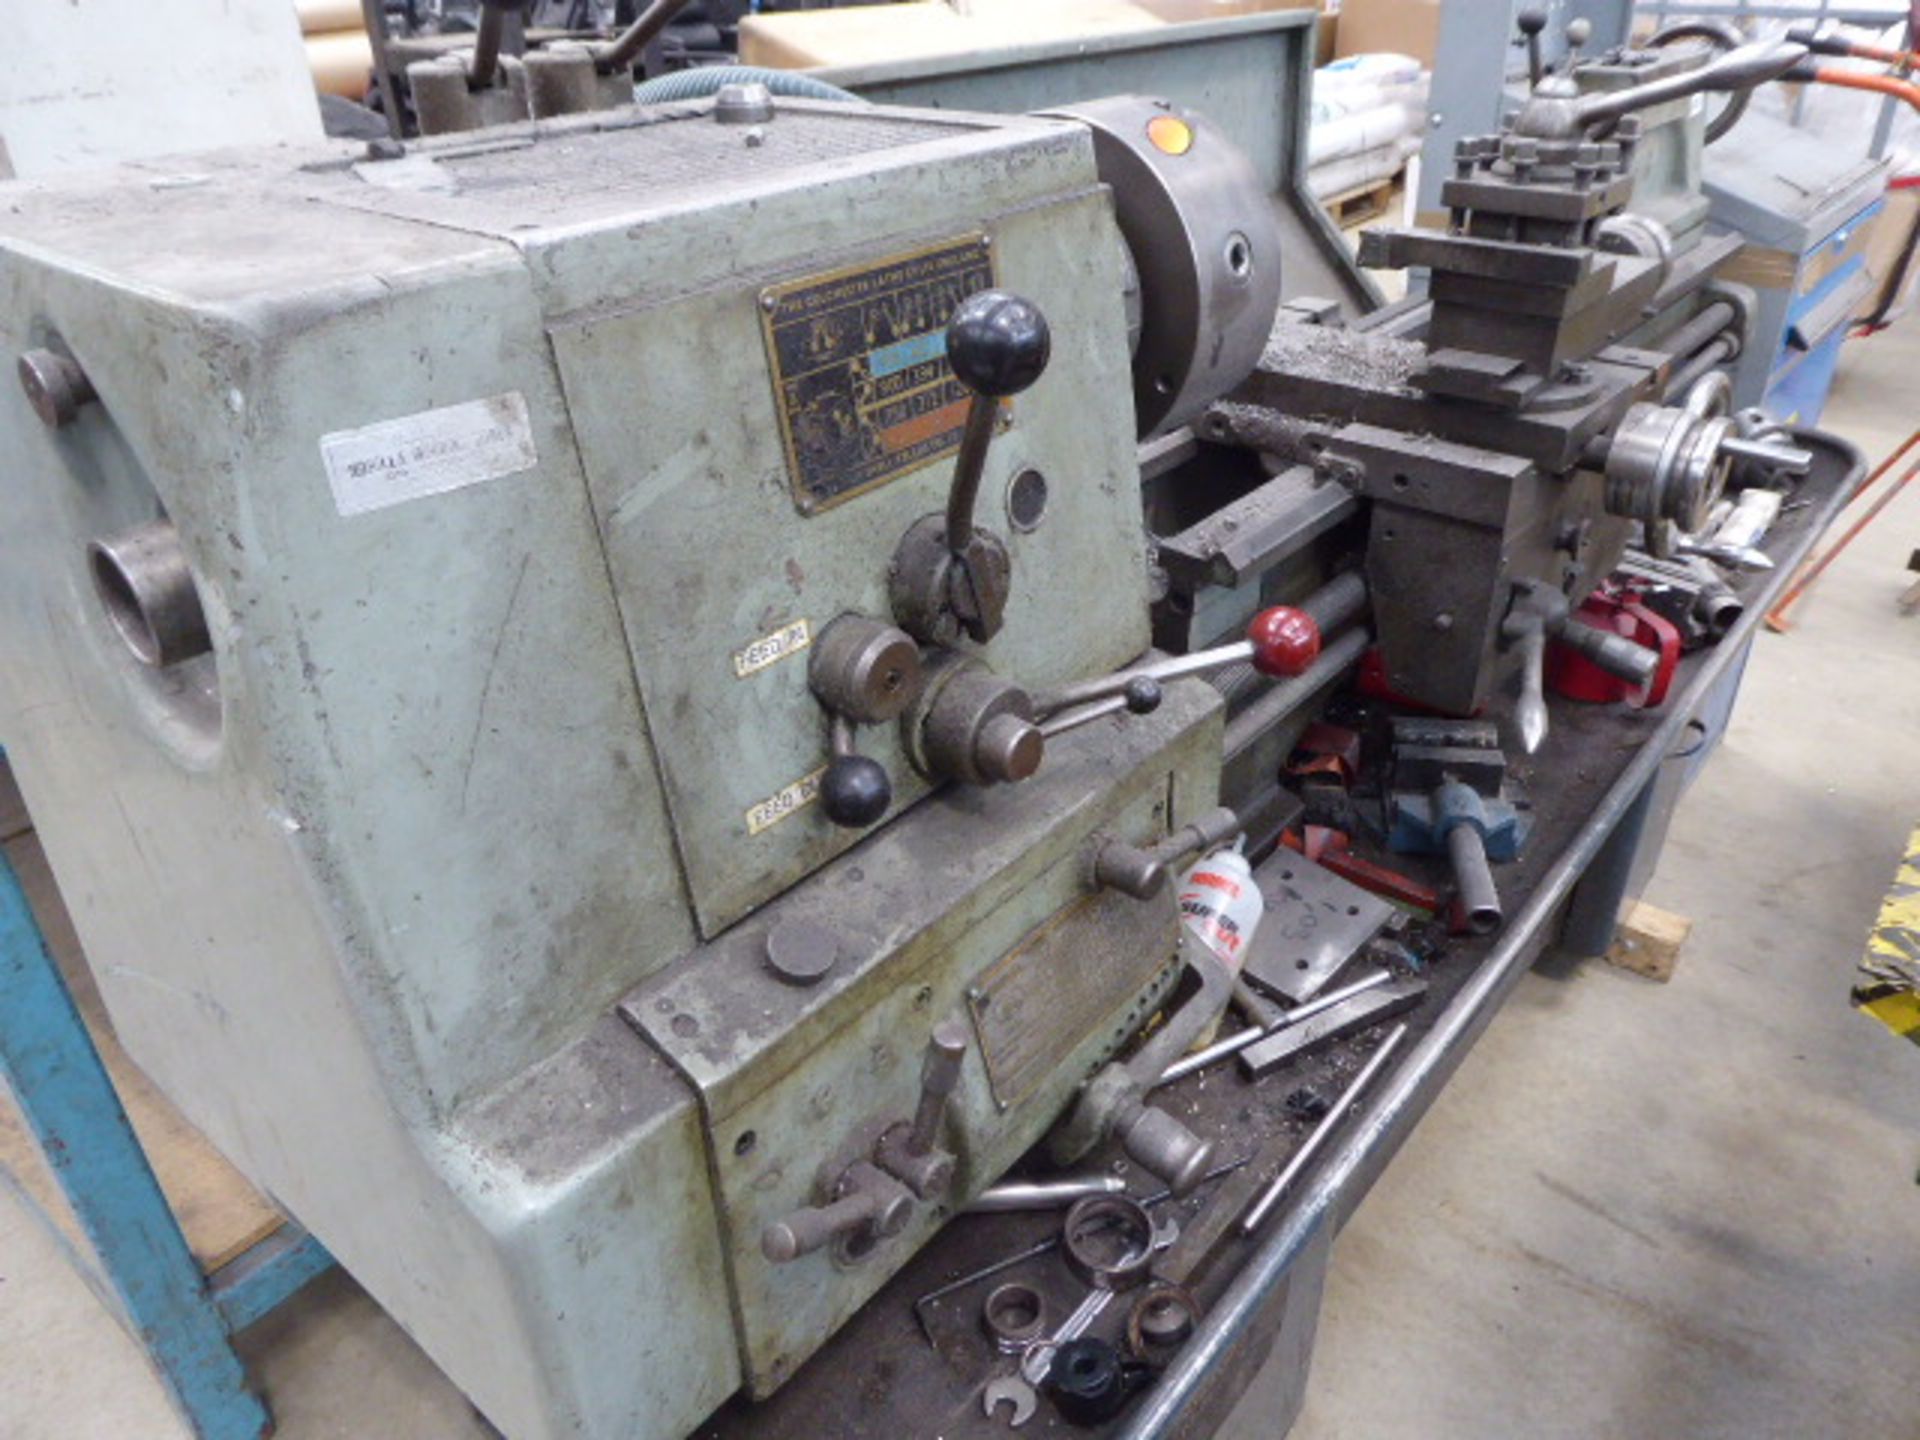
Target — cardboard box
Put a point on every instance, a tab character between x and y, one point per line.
1394	27
1886	248
875	34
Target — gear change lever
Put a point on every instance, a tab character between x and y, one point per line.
950	577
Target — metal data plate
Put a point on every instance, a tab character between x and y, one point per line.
860	374
1314	923
1037	1003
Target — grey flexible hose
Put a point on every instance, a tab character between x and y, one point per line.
703	80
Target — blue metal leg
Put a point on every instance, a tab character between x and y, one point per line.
49	1061
247	1287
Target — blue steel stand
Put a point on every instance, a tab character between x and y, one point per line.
184	1318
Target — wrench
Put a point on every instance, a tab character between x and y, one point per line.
1039	1355
1010	1390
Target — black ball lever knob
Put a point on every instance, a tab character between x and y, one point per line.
855	791
998	344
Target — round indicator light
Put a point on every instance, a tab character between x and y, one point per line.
1170	134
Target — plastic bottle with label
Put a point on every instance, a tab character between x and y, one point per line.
1221	904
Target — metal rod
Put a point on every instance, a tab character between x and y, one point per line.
1241	1039
373	15
1270	1197
1286	696
1339	601
620	52
1703	327
486	44
1788	459
1173	667
1074	716
1473	879
1371	1142
1715	352
1042	1194
983	413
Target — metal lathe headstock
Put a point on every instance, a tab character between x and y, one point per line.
554	663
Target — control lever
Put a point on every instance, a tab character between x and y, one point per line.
1556	110
1280	642
950	577
1531	23
873	1200
907	1151
1142	871
865	673
1578	32
867	1202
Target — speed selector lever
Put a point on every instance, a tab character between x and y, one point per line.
950	577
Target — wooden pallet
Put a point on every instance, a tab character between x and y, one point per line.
220	1213
1366	203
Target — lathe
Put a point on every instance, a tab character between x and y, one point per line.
591	685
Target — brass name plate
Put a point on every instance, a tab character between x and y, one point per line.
860	374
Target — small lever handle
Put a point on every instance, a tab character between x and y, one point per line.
997	344
855	791
868	1200
1615	654
1531	22
939	1073
908	1150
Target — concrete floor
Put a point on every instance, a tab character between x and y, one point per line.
1638	1210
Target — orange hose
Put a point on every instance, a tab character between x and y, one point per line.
1884	84
1904	59
1811	569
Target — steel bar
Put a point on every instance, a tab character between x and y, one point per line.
1386	1121
373	15
1349	1097
1716	352
1074	716
1785	458
486	44
1473	880
1042	1194
620	52
1703	327
1241	1039
1286	696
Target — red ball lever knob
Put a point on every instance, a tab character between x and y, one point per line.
1285	641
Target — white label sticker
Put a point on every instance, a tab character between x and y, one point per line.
783	802
429	453
787	640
